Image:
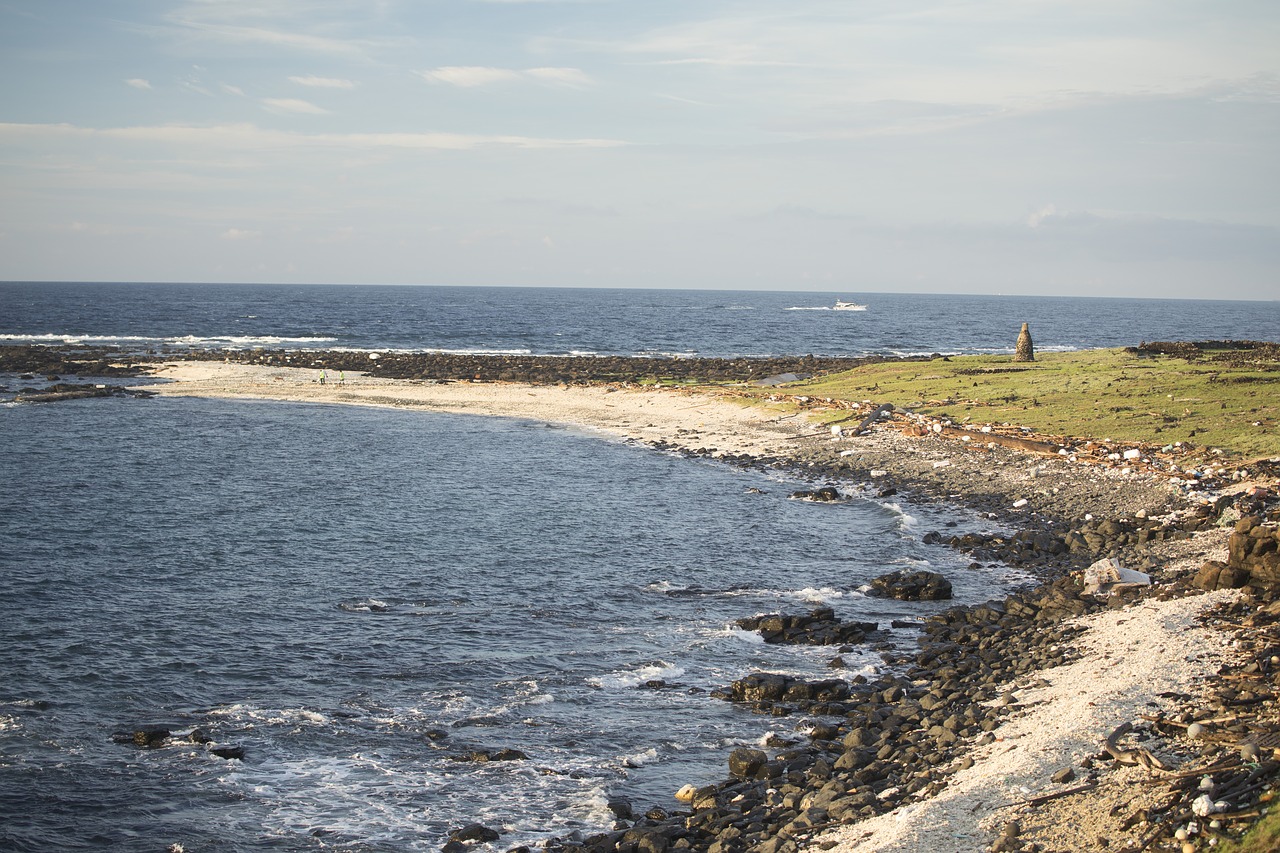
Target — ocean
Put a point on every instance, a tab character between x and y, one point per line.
370	602
568	321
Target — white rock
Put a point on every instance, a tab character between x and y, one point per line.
1020	503
1132	454
685	794
1204	806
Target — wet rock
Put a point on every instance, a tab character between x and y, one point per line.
744	762
475	832
148	737
230	752
483	755
826	494
912	586
820	627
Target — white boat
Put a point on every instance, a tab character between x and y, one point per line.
841	305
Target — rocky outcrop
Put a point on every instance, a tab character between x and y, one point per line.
826	494
1253	560
912	586
819	627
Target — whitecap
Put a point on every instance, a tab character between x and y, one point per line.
640	759
627	679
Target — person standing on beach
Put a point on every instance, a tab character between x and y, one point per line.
322	376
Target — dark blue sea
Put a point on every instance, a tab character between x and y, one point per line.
710	323
360	598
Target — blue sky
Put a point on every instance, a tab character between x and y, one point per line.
1074	147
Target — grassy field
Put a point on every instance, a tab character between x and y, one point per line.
1220	398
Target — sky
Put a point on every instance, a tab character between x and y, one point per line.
1038	147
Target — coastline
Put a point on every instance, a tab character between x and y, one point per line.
1126	657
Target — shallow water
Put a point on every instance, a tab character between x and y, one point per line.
358	595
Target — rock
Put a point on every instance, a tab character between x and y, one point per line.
149	737
230	752
913	586
826	494
1064	775
475	832
745	762
819	628
482	755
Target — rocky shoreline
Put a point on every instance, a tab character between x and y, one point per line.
865	748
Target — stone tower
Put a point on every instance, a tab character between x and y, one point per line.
1024	351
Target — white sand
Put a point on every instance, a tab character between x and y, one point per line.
1131	656
691	419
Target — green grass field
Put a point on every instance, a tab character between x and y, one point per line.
1226	398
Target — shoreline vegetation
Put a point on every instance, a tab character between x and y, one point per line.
1115	716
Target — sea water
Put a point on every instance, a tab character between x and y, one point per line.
604	322
362	597
365	600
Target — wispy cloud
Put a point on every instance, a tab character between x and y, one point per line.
138	83
310	27
563	76
470	76
293	105
322	82
240	234
239	137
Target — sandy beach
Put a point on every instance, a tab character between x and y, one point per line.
1129	658
685	418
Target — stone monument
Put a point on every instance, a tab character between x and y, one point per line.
1024	351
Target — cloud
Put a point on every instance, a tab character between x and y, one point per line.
138	83
293	105
1045	212
565	76
240	234
323	82
231	90
239	137
470	76
306	27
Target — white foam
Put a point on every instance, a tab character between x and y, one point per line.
640	759
752	637
628	679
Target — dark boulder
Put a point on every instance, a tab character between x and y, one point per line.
912	586
474	832
826	494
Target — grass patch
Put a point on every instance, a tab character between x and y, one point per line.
1219	400
1264	837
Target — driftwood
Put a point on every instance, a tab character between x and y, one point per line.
1139	755
1002	440
872	418
1044	798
